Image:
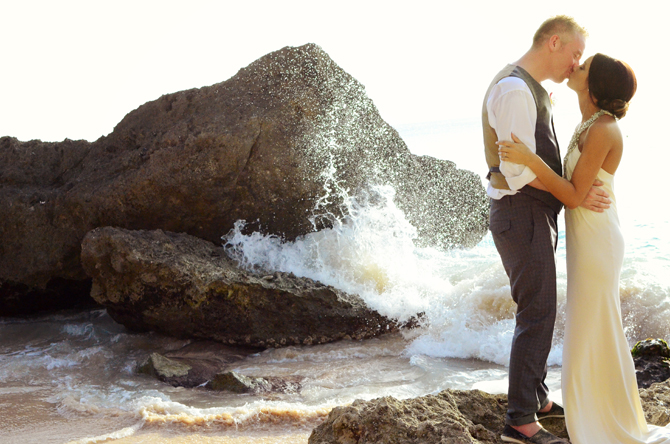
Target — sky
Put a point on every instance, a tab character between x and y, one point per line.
74	69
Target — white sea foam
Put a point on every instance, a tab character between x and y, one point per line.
463	297
123	433
364	351
78	329
368	251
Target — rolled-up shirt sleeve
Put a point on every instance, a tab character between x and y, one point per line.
512	109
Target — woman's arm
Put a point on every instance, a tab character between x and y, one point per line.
597	145
537	184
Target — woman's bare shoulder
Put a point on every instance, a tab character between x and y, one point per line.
604	134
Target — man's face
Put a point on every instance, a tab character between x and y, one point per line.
566	57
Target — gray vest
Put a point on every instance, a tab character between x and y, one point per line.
546	143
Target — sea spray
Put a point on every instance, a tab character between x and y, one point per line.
369	249
463	296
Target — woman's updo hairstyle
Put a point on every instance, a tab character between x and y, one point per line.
612	84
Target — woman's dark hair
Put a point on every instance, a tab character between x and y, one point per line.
612	84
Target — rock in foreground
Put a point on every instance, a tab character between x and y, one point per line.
264	146
450	417
186	287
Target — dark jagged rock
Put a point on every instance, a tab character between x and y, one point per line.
237	383
193	372
192	365
183	286
651	361
258	147
651	347
163	368
58	294
650	370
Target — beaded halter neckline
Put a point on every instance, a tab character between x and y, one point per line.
578	132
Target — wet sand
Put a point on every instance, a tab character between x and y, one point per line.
197	438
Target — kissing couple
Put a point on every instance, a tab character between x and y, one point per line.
528	185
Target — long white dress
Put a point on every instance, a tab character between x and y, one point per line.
600	392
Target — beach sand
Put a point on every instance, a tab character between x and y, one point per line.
197	438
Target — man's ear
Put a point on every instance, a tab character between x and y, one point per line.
554	43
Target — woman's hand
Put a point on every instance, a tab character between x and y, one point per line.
515	152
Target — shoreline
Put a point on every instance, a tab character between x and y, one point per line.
197	438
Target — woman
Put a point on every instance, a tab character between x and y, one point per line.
600	392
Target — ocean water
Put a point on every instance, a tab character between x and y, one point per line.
71	377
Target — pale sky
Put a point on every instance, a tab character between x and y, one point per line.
73	69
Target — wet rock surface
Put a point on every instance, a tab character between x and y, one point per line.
204	364
166	369
186	287
234	382
652	363
192	365
263	146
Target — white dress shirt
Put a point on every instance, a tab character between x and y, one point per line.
511	108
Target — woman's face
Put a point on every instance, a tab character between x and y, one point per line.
579	79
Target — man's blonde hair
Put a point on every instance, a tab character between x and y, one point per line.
561	24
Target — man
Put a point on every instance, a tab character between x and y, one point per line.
524	215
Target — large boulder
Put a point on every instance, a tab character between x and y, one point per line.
187	287
279	145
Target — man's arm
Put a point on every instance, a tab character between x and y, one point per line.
511	109
597	199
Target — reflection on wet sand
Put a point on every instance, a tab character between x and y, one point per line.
197	438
